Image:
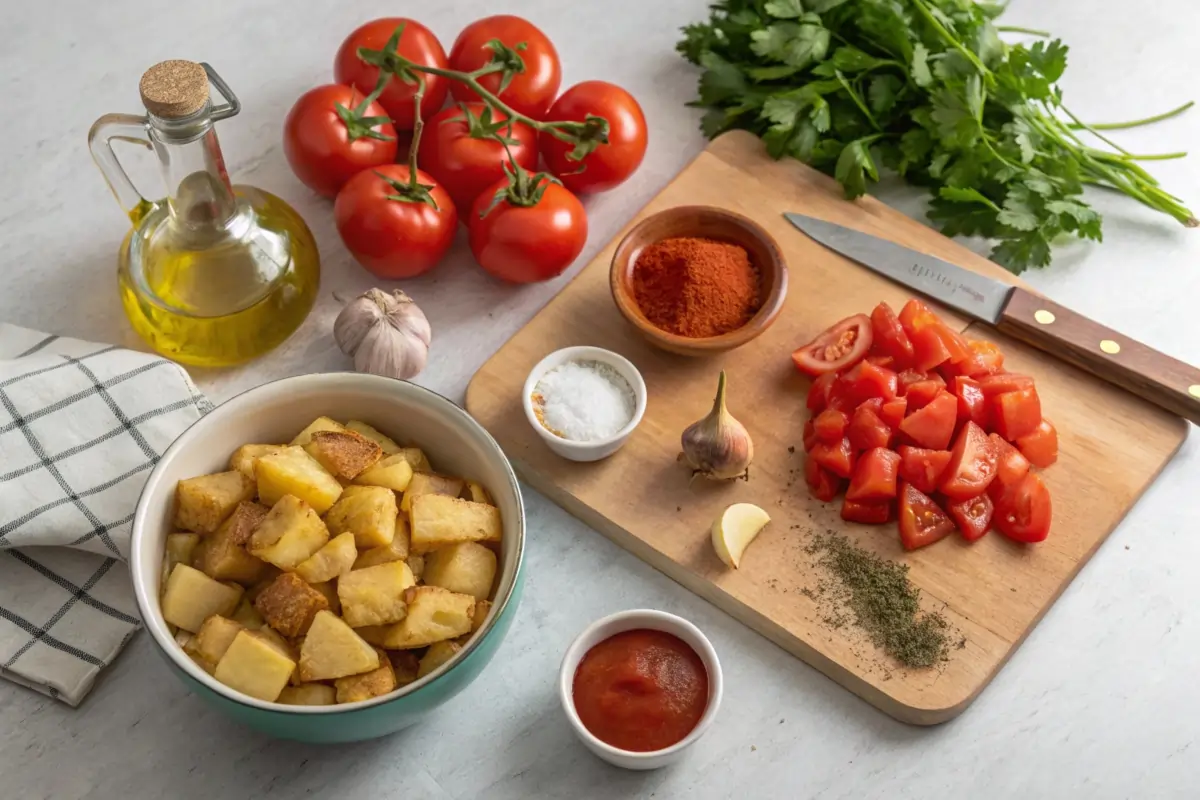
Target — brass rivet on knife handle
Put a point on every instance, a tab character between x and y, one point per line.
1164	381
1043	316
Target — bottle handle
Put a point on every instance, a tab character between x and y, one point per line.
125	128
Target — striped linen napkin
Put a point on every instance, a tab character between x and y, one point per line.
81	427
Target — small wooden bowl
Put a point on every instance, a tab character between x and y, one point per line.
709	223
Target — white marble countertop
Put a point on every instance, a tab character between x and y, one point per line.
1101	701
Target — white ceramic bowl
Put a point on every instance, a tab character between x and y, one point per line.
636	619
601	448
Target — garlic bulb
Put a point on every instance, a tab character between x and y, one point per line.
385	334
718	446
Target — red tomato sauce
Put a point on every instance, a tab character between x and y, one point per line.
641	690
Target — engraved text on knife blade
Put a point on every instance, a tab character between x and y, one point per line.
930	274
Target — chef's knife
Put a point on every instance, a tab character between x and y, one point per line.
1158	378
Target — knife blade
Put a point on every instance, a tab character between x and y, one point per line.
1162	380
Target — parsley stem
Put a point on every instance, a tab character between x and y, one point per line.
1019	29
1094	132
1117	126
950	39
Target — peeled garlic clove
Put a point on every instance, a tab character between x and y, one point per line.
384	334
718	446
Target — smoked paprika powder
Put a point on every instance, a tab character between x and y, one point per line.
696	287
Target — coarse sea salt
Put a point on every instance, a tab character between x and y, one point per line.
583	401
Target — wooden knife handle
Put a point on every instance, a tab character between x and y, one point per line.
1151	375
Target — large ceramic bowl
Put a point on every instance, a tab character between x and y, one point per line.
275	412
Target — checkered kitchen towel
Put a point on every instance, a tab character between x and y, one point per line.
81	426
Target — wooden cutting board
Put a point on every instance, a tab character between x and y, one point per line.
1112	445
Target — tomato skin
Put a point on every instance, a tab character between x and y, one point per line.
923	468
810	435
868	512
973	464
1023	510
867	430
953	341
530	92
609	165
465	166
830	425
922	521
1011	464
1041	446
1016	414
838	458
818	393
823	484
932	426
317	144
838	347
394	239
417	44
875	475
916	315
972	405
892	412
973	516
1002	382
527	244
891	339
867	380
928	347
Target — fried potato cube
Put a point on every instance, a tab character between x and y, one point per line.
437	521
212	640
289	534
423	483
405	664
336	557
273	638
254	667
393	472
466	568
318	424
182	637
417	459
476	493
437	654
329	589
482	607
375	595
344	454
181	547
269	575
378	681
417	565
246	456
247	615
369	512
434	615
203	503
293	471
388	446
395	550
192	597
333	650
289	604
308	694
222	555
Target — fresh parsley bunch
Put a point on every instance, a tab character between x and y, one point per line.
928	89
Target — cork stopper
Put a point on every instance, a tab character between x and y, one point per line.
174	89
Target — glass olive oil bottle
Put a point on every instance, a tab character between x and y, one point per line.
212	274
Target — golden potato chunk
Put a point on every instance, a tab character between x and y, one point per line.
344	454
405	664
269	575
222	555
466	568
395	550
254	667
203	503
181	547
308	694
318	424
289	534
393	472
375	595
247	615
482	607
192	597
437	654
476	493
434	614
335	558
437	521
289	604
388	446
423	483
293	471
378	681
333	650
417	565
246	456
329	589
416	457
212	640
369	512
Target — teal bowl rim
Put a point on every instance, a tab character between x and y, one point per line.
172	651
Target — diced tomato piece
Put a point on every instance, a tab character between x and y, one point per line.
838	458
985	359
865	380
928	348
873	403
971	403
973	516
818	393
875	475
923	468
810	435
908	377
921	394
823	484
830	425
1016	414
955	344
844	395
890	336
1041	446
972	464
1023	510
868	512
892	412
933	425
1011	464
881	361
922	521
837	347
1002	382
916	315
867	430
